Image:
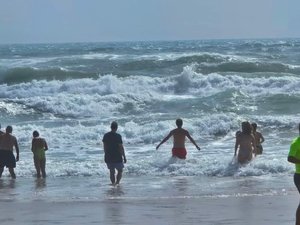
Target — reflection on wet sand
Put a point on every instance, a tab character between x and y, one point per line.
40	183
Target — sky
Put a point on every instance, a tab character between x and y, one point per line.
53	21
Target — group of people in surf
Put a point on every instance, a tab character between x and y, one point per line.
248	143
8	143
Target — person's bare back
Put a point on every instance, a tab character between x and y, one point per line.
245	144
179	135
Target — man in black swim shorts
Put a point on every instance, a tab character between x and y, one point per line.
114	153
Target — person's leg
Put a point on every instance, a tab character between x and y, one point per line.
298	215
37	167
119	175
112	175
297	183
12	172
43	167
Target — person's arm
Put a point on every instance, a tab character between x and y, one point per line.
123	152
236	146
45	145
17	149
164	140
192	140
104	147
32	145
294	160
261	139
254	145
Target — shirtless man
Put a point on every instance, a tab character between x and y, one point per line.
258	139
38	147
179	135
245	143
7	158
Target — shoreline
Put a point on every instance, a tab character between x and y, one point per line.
249	210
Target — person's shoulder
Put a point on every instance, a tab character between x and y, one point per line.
13	136
107	133
238	133
296	140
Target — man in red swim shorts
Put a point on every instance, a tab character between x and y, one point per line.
179	135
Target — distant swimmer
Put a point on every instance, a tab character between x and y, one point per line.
259	139
179	135
38	147
294	157
245	144
114	153
7	144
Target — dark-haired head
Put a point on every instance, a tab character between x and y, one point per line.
114	125
9	129
179	123
246	127
35	134
254	126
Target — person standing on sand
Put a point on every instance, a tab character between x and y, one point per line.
245	143
114	153
294	157
258	139
7	158
38	147
179	135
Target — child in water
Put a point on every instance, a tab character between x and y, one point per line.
38	147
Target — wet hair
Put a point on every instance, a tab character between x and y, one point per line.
254	126
9	129
114	125
35	134
179	123
246	127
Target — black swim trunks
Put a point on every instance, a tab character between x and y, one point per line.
297	181
7	159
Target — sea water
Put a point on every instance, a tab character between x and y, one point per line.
71	93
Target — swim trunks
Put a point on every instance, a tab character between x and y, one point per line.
179	153
117	166
297	181
244	156
7	159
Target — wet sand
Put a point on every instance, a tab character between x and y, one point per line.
249	210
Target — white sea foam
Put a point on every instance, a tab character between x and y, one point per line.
73	114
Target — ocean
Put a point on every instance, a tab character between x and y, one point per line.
71	93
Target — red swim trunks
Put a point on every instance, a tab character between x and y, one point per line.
179	152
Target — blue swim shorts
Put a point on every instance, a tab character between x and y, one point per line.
7	159
117	166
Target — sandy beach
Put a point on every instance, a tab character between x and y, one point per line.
255	210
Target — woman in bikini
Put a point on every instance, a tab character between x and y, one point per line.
245	144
